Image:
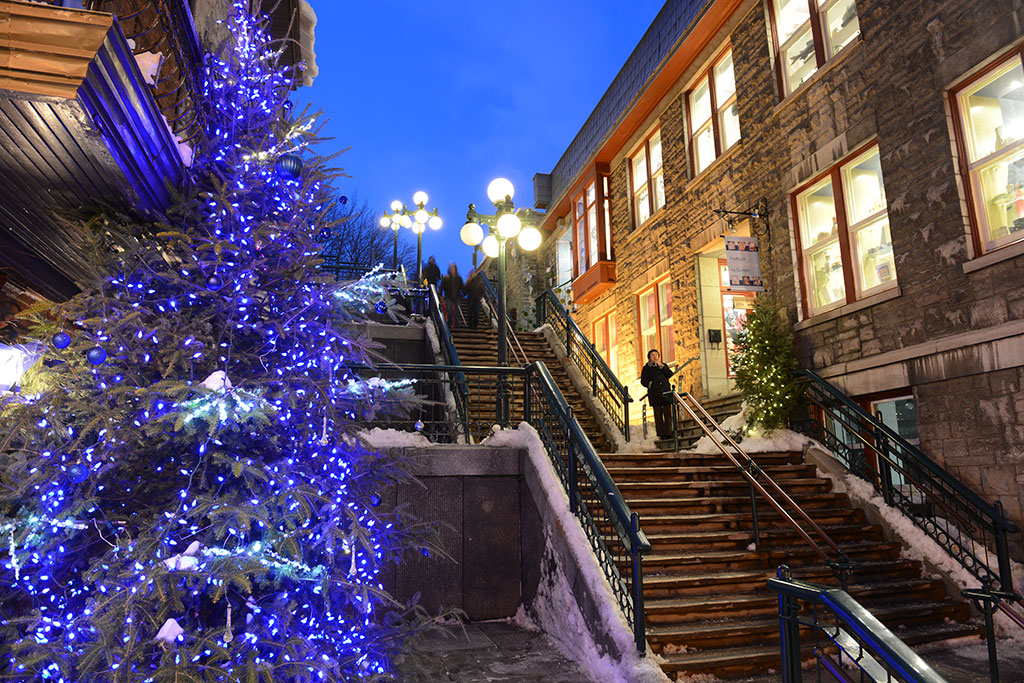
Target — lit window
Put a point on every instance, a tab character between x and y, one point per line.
991	133
606	341
846	255
591	207
800	49
647	179
656	325
714	119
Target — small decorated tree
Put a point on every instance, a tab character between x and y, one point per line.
181	499
765	367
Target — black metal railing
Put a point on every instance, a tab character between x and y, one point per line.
762	484
491	299
612	529
604	385
459	391
844	638
973	531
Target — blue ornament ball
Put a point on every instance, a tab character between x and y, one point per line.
214	282
96	355
78	473
419	425
288	166
343	200
381	307
375	500
61	340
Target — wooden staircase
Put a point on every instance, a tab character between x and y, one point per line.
480	347
707	605
689	432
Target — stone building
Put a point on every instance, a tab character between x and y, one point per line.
874	151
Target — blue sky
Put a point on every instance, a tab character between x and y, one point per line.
445	96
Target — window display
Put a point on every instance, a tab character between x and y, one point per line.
712	112
801	49
992	130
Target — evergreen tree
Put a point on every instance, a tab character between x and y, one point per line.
765	367
180	499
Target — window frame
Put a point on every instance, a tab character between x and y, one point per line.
819	38
708	75
968	170
659	321
845	232
650	178
608	322
597	212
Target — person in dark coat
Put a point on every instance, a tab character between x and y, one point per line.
452	291
475	292
431	273
654	377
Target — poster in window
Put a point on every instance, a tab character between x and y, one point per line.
744	264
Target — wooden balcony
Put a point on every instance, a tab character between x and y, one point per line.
594	282
81	125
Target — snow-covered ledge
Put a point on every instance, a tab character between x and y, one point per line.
898	528
574	604
604	420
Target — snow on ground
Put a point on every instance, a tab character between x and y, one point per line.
779	441
554	610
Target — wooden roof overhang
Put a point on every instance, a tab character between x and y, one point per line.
688	47
78	126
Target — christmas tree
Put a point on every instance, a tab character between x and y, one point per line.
766	366
180	499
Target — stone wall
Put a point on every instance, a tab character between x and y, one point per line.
890	88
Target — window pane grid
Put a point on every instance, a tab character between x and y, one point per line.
713	114
799	55
645	174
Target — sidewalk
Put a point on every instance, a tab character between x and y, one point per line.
490	651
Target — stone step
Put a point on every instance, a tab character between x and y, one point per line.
719	521
741	538
729	560
692	473
694	489
672	504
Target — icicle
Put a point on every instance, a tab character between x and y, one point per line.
352	543
228	636
323	434
14	558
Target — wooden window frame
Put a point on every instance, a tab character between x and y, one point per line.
967	169
599	177
715	121
608	320
645	146
818	37
642	352
834	174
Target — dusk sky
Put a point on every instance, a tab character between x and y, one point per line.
446	96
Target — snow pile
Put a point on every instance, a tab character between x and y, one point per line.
779	441
392	438
917	545
555	611
148	62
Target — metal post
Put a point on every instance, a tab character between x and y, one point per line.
572	465
625	415
1002	551
503	407
527	408
568	336
639	618
986	601
753	514
419	257
675	427
790	632
394	258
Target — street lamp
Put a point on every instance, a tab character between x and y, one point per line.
501	227
418	220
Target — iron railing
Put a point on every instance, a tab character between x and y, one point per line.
605	386
973	531
761	483
491	296
612	529
846	639
459	390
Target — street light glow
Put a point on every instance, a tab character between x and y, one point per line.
509	225
529	238
396	205
434	222
420	199
472	234
490	246
421	215
499	189
385	222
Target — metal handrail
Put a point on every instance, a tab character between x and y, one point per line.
625	522
854	631
616	393
751	471
451	356
937	486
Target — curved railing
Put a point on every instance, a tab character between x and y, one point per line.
611	527
847	640
612	394
973	531
459	390
761	483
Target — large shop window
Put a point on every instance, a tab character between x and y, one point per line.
808	33
656	329
588	228
845	249
647	180
713	116
606	341
990	118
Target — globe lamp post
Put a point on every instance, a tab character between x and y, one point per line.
501	227
418	220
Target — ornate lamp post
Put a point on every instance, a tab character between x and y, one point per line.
501	227
418	220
